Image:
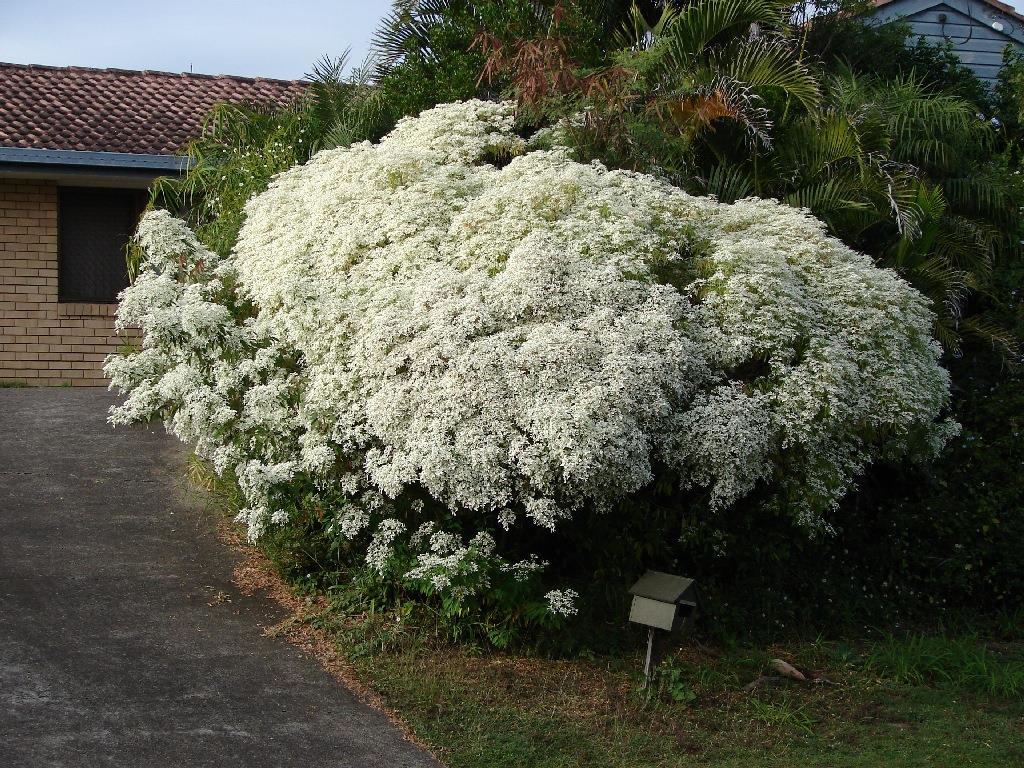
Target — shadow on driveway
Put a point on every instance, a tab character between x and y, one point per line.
122	639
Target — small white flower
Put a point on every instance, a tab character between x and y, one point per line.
380	549
562	602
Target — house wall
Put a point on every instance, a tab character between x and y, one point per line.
968	26
44	342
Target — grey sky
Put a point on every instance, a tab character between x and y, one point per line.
272	38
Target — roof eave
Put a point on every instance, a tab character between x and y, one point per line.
94	161
77	167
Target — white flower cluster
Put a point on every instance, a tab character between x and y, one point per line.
562	602
216	381
521	335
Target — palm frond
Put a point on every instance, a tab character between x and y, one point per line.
946	332
769	62
944	283
636	33
820	143
989	330
903	195
826	197
985	194
406	30
969	245
695	110
728	183
702	23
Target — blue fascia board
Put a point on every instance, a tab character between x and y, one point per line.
104	161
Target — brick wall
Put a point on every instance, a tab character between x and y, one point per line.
43	342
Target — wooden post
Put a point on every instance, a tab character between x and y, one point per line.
650	657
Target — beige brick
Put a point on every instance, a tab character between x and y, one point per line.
42	341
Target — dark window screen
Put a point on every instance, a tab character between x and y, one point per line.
95	225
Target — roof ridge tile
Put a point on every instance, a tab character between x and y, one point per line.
156	72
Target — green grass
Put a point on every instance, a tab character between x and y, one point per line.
785	715
874	705
962	663
12	384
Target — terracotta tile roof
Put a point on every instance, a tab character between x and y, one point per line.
119	110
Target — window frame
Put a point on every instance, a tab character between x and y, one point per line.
135	199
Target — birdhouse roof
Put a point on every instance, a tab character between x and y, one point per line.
665	588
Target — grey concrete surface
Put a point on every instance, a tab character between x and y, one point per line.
122	639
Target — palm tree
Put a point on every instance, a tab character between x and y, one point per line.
897	170
716	94
427	29
670	83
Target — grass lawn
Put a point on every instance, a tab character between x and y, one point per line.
928	701
499	710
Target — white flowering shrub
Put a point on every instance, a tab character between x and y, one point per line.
445	337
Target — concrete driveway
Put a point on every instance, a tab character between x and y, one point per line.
115	649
